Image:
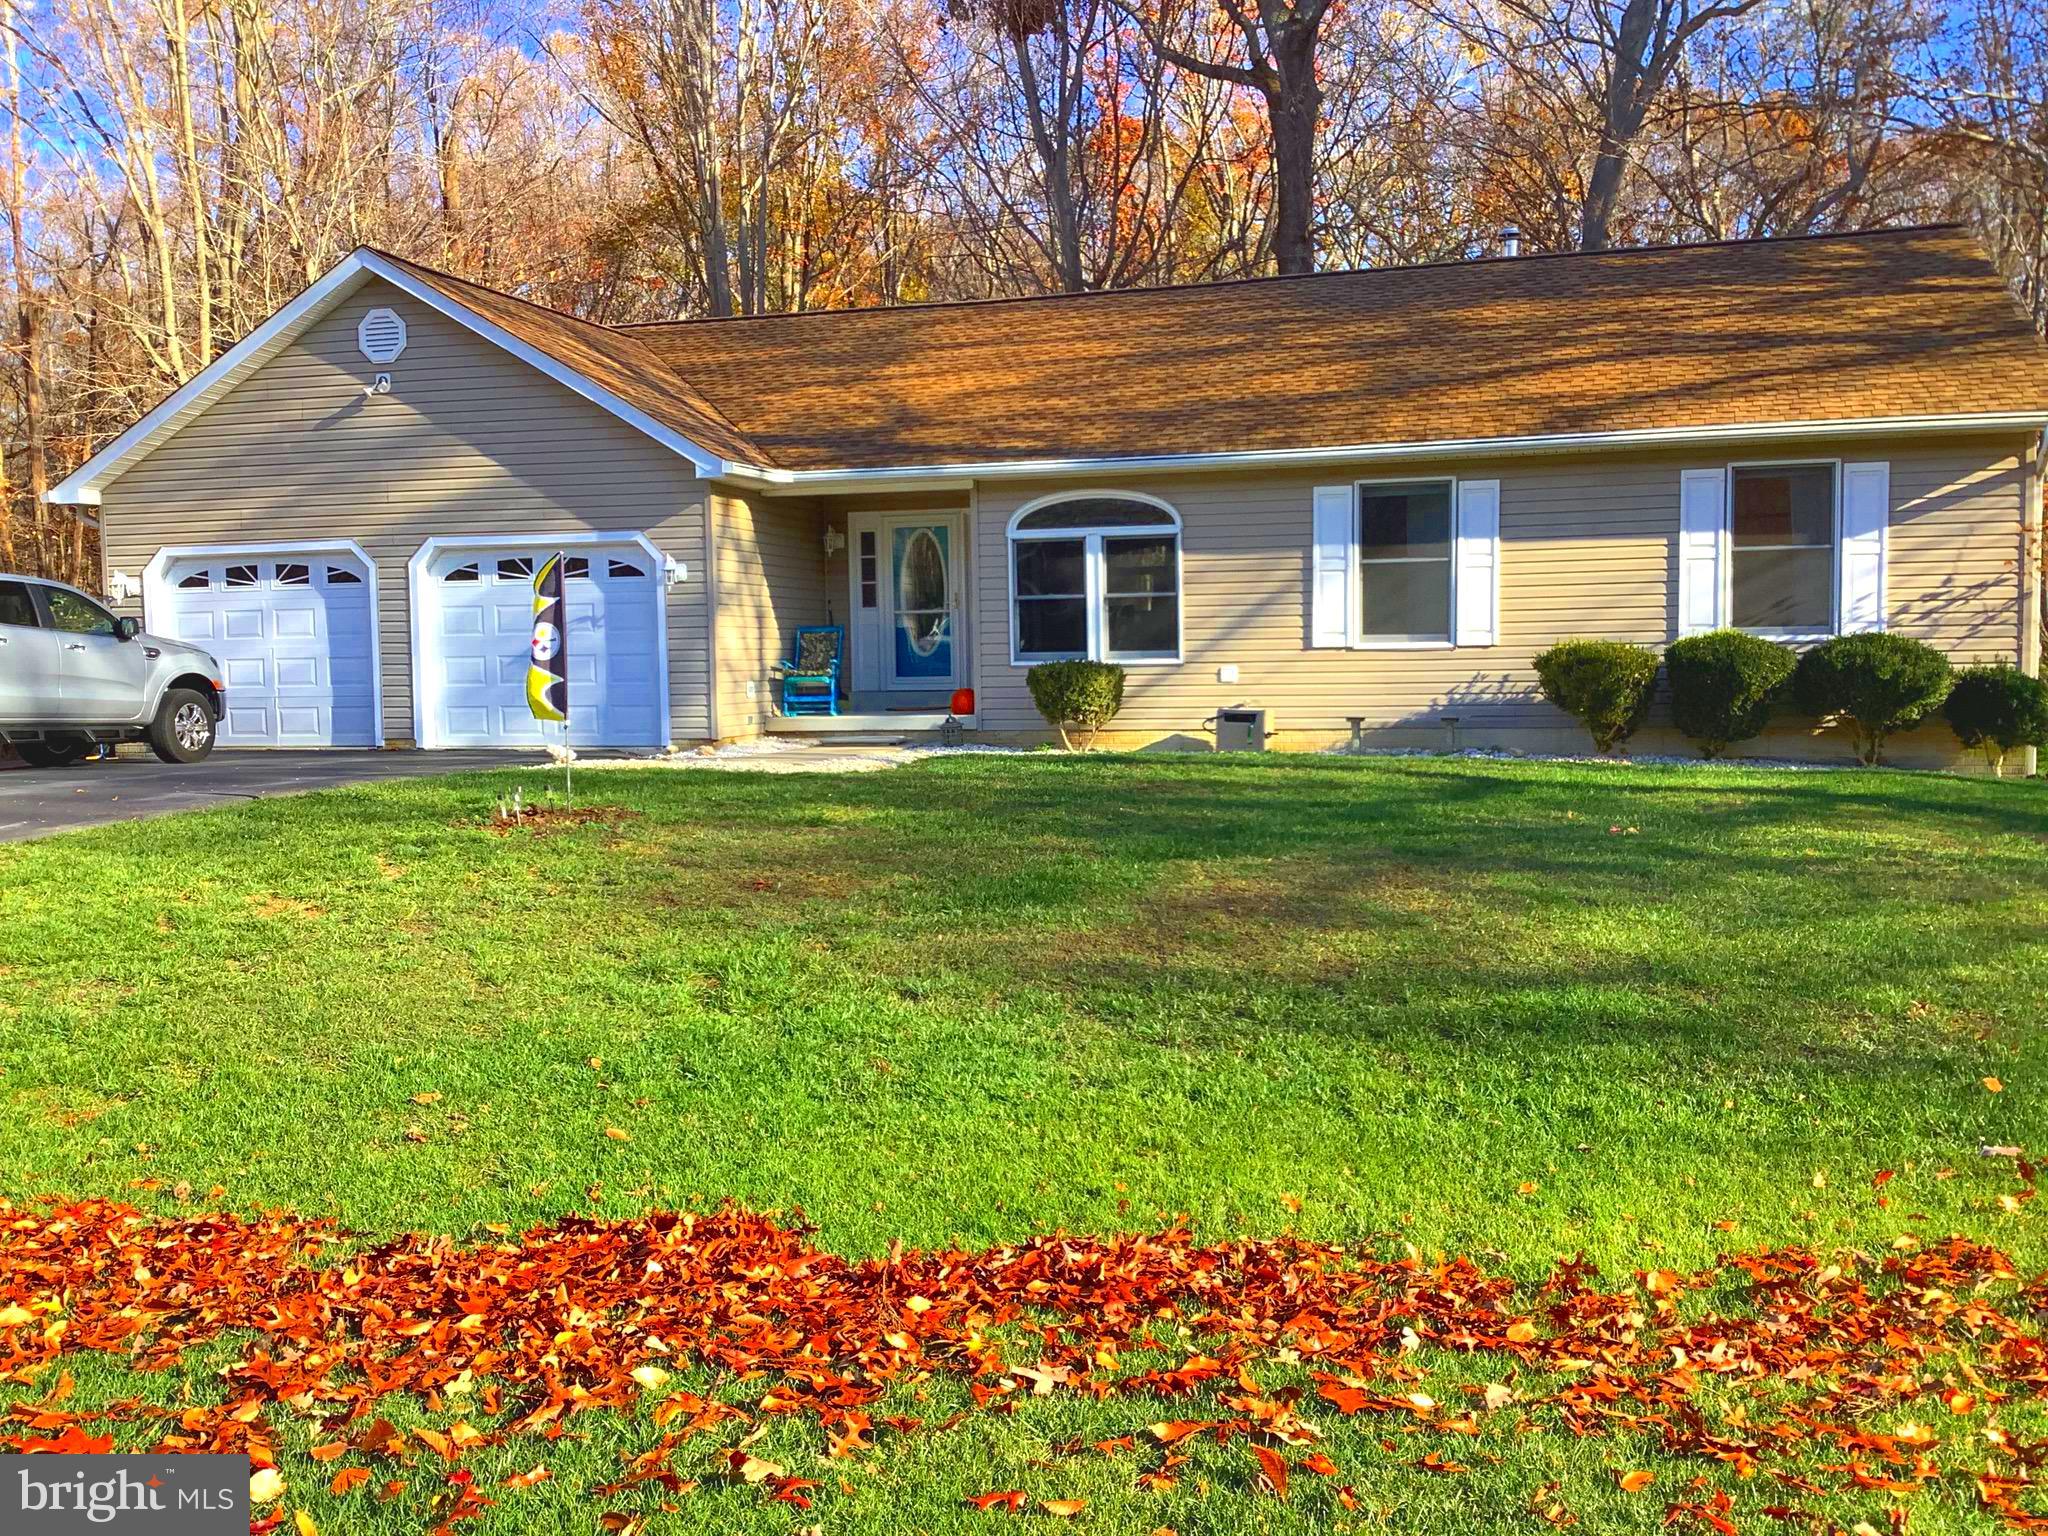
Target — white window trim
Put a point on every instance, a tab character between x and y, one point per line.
1094	576
1358	640
425	602
1784	636
157	592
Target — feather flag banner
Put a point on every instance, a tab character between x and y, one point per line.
547	675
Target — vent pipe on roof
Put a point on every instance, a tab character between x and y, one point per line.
1510	240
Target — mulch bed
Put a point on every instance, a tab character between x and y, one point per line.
1818	1375
547	820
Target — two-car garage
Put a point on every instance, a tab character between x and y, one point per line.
295	629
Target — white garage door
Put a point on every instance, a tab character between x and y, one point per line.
294	641
480	623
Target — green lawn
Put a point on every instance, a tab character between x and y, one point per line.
1511	1010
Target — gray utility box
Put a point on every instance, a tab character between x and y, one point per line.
1241	730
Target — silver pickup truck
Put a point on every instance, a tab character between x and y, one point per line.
72	676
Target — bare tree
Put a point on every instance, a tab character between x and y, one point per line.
1987	90
1593	71
1273	49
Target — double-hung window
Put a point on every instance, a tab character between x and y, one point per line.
1097	577
1404	562
1781	545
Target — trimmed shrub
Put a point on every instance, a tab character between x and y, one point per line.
1876	683
1724	686
1605	683
1996	709
1077	696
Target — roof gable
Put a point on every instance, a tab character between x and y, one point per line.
636	388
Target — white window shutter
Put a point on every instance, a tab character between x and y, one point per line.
1866	528
1330	591
1478	559
1702	550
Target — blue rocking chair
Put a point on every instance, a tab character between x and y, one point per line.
810	678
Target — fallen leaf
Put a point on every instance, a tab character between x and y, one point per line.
1993	1085
616	1134
265	1484
347	1480
751	1469
1635	1482
1272	1471
1066	1509
1011	1499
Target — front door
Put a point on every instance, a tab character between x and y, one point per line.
921	635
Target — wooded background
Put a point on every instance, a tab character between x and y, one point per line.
177	169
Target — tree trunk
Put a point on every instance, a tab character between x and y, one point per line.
1295	109
1621	119
1053	144
1281	40
28	310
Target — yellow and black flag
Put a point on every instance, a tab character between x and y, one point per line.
547	676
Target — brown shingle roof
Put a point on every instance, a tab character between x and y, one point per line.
615	360
1913	322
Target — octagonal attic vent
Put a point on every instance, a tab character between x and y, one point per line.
381	335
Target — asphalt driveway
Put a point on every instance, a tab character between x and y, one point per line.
35	802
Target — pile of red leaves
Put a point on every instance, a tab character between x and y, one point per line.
523	1334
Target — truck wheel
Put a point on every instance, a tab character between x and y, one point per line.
182	731
54	751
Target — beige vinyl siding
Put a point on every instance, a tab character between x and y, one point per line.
1588	547
470	440
771	578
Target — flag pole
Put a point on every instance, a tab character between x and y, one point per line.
568	768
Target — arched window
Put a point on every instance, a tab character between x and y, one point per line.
1095	575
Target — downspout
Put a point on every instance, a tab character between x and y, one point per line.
711	610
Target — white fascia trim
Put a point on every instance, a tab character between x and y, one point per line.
423	594
85	485
947	475
156	590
